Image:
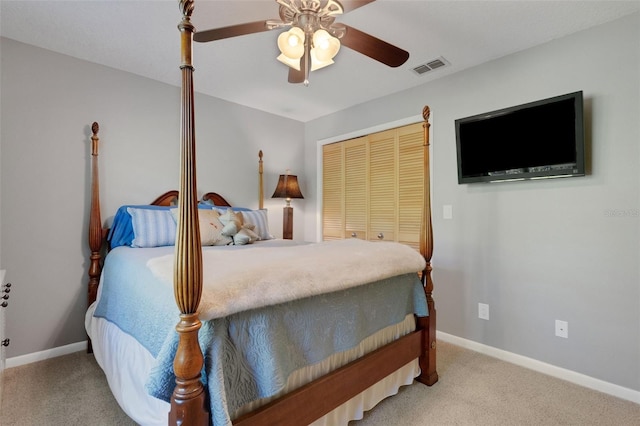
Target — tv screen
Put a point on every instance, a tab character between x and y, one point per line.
536	140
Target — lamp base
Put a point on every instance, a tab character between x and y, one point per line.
287	223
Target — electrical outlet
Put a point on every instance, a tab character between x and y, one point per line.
562	329
483	311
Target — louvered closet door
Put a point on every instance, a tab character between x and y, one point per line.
382	186
410	184
332	192
355	188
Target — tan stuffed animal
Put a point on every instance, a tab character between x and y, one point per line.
235	228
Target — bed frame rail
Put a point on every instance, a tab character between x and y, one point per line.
312	401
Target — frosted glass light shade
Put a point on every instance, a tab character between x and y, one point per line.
291	43
325	45
293	63
316	63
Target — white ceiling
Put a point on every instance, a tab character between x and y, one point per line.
141	37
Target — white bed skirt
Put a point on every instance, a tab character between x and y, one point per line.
126	364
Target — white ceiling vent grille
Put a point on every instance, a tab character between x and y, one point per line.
430	66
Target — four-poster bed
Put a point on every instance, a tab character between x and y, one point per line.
410	352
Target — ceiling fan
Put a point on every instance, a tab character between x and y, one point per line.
314	38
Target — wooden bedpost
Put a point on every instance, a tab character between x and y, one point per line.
95	224
260	182
189	405
429	374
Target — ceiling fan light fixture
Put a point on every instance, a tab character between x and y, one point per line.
291	43
314	38
325	46
292	63
317	63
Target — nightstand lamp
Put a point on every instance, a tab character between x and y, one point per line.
287	188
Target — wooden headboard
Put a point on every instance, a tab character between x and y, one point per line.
170	198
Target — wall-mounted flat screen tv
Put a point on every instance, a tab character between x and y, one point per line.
537	140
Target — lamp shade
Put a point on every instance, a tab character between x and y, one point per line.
287	187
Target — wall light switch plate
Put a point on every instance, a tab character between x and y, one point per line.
483	311
447	211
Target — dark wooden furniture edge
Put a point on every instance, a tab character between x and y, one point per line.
170	198
315	399
216	199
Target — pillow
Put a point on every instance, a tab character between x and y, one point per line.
121	230
257	218
152	227
210	227
209	204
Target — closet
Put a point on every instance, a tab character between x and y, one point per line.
373	186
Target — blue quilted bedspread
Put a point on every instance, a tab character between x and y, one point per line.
248	355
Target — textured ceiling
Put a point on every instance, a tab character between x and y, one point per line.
141	37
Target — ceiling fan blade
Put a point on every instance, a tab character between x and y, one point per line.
349	5
296	76
373	47
231	31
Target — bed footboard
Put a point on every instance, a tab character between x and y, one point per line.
301	406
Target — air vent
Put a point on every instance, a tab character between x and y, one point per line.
430	66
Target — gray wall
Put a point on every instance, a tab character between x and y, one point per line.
48	104
535	251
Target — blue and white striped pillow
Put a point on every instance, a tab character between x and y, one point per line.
152	228
259	219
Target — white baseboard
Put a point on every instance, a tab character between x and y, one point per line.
46	354
523	361
542	367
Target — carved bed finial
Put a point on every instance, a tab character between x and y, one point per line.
186	7
260	182
426	112
186	30
95	127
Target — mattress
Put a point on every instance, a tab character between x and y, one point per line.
252	355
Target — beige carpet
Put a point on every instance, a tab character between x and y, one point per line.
474	389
